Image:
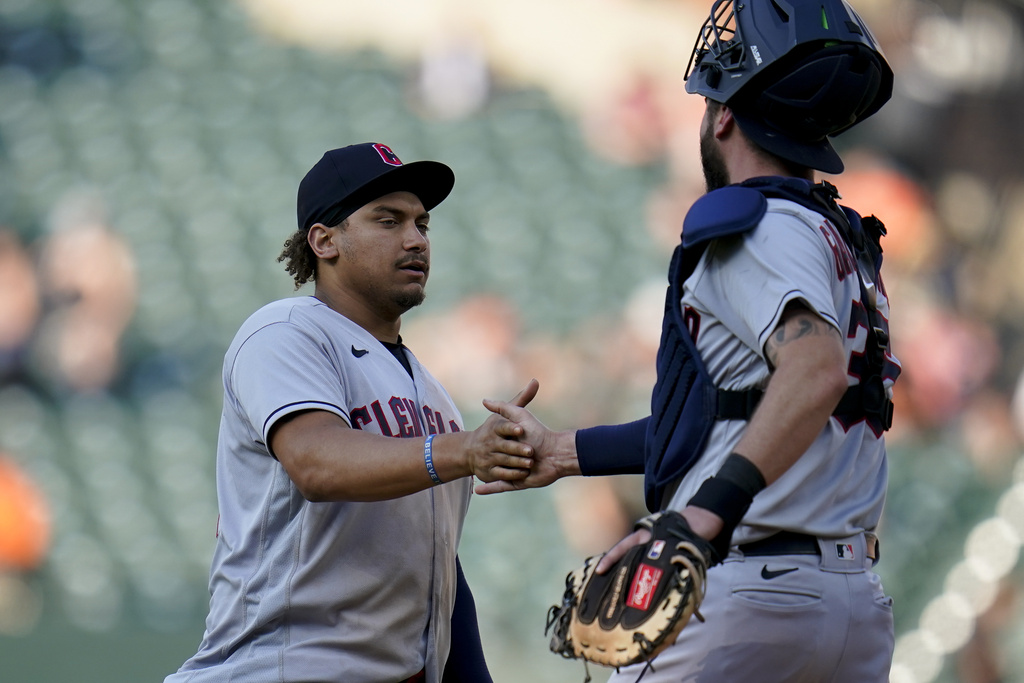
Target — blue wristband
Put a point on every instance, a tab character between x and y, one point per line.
428	459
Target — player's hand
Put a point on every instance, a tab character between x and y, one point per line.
620	549
497	452
554	453
704	523
523	398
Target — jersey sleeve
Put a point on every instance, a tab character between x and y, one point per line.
281	369
784	260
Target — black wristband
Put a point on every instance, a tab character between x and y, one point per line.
743	473
729	494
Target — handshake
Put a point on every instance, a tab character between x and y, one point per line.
548	456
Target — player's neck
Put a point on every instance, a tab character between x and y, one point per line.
383	327
756	167
743	162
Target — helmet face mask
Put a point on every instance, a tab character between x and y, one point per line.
720	39
798	70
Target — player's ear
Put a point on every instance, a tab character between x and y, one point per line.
723	122
321	242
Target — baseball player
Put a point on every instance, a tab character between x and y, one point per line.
774	370
343	469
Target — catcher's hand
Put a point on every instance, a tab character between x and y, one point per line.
637	608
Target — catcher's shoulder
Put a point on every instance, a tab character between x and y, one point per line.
726	211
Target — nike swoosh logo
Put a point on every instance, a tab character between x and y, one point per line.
768	575
359	353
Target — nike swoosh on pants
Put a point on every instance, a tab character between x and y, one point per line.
768	575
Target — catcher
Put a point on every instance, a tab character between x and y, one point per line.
765	444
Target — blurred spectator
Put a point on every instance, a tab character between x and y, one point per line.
454	79
24	519
989	437
591	513
631	127
470	349
89	284
950	357
25	527
19	305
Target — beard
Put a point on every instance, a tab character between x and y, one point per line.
712	162
406	300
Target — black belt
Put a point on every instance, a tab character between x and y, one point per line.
793	543
783	543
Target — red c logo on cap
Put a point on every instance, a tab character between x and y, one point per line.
387	155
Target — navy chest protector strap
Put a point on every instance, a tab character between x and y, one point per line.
685	403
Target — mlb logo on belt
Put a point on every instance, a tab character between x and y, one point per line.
844	551
644	584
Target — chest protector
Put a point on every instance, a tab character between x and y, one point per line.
685	403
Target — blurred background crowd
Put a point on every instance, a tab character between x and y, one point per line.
149	156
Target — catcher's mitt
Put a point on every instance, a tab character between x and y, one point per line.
637	608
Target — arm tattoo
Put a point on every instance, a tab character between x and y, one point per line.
793	327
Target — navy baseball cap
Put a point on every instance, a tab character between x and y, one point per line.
346	179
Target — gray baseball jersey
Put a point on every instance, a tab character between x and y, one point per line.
353	592
733	301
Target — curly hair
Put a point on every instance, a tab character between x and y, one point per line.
300	261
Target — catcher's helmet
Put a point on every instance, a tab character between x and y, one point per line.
793	72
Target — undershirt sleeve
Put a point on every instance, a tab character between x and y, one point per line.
466	662
612	449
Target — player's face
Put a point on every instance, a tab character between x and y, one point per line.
712	161
384	254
